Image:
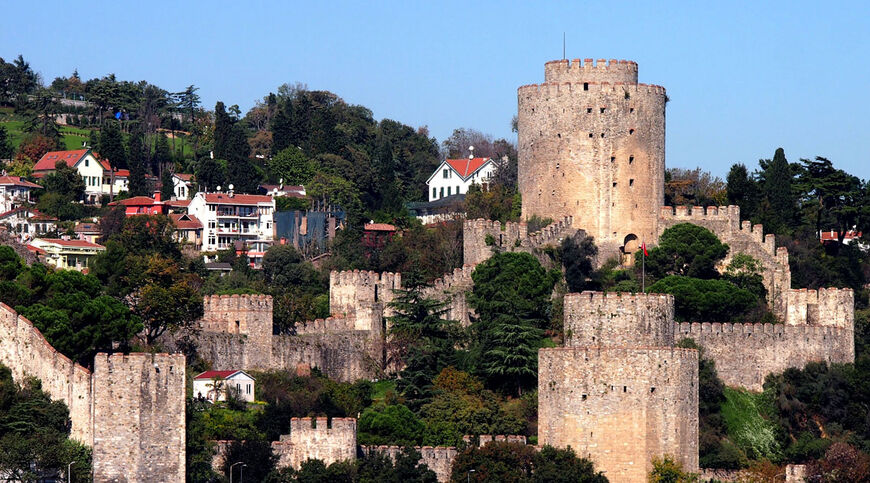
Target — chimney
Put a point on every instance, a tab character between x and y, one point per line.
156	196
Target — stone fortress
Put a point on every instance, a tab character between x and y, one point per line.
591	153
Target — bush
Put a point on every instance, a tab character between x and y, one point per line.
698	300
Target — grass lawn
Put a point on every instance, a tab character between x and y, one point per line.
744	415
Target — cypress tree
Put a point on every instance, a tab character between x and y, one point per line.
282	127
777	189
167	188
742	191
162	155
138	185
223	126
112	146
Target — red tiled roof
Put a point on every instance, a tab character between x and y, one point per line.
183	176
17	181
379	227
71	243
34	214
103	162
186	222
86	228
47	161
178	203
465	167
137	201
238	199
122	173
832	235
215	374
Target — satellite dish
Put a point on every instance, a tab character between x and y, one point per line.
219	187
230	186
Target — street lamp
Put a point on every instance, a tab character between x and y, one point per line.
242	473
231	469
468	475
69	471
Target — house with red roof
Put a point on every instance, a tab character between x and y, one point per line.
188	229
66	254
14	192
214	385
99	176
228	217
27	223
455	176
141	205
182	185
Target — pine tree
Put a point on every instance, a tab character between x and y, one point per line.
167	188
742	191
6	149
112	146
223	125
94	140
777	189
138	185
282	127
162	155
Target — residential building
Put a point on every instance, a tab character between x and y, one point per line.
278	190
14	192
443	209
67	254
227	217
88	231
188	229
141	205
214	385
377	235
177	206
99	176
182	185
455	176
851	237
28	223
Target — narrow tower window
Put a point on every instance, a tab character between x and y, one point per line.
602	134
590	135
631	131
631	182
585	86
630	110
630	159
613	159
603	109
588	110
614	185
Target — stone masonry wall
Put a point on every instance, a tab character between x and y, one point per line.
741	237
139	417
615	319
823	307
248	315
512	237
25	352
452	288
591	144
320	440
437	458
348	289
746	353
620	406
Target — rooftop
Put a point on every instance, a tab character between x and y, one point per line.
17	181
466	166
70	243
236	199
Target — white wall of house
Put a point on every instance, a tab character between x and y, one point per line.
446	181
181	188
225	222
92	172
240	382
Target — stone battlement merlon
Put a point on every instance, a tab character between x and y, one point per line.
459	277
590	70
551	232
737	328
728	214
310	425
620	298
236	302
680	352
586	88
823	307
325	326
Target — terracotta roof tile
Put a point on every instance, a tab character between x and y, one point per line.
17	181
215	374
236	199
466	166
49	159
186	222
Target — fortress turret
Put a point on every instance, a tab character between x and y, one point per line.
592	146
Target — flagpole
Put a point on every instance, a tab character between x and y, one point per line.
643	269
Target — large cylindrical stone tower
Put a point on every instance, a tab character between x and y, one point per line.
592	145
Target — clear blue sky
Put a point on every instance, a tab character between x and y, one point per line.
743	77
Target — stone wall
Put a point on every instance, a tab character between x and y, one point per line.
236	333
591	144
741	237
746	353
510	237
328	441
452	289
620	406
139	417
25	352
437	458
823	307
348	289
618	319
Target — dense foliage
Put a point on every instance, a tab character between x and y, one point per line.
520	463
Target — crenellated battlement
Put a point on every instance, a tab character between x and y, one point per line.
480	237
552	233
348	289
591	90
305	426
833	307
460	278
325	326
237	302
590	71
729	216
618	319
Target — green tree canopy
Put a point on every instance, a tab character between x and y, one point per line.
112	146
500	461
700	300
685	249
291	166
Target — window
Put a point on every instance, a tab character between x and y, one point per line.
614	185
434	192
631	182
448	191
630	109
630	159
211	207
613	159
248	389
590	135
446	173
630	132
588	110
442	192
211	240
268	225
603	109
86	163
211	225
585	86
602	134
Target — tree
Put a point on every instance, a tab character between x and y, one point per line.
512	298
456	146
693	187
256	455
169	300
699	300
138	184
578	258
64	181
835	196
34	434
42	111
291	166
742	190
112	145
223	124
496	203
667	470
6	148
162	155
390	424
167	187
776	185
685	249
33	148
500	461
210	174
188	100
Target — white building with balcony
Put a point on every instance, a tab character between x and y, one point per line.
455	176
227	217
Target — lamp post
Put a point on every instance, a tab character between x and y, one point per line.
242	473
468	475
69	472
231	469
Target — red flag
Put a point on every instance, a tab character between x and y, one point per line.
643	246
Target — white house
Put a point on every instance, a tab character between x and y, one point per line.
99	176
182	185
213	385
455	176
14	191
227	217
28	223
